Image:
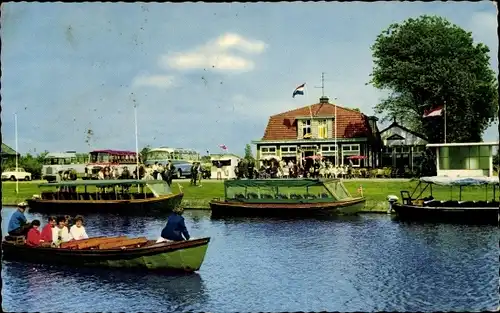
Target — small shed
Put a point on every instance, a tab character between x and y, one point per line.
468	159
227	164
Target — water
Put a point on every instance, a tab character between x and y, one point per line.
366	263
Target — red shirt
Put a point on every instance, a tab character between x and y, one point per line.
33	238
47	233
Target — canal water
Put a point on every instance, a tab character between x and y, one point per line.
365	263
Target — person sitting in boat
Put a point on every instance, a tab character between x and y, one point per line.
34	238
60	233
77	231
46	234
18	224
175	228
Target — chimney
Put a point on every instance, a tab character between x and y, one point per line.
323	99
372	121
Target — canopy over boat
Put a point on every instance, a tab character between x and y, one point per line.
460	181
158	187
284	182
111	182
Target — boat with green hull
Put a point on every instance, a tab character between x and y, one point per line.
285	197
120	196
184	256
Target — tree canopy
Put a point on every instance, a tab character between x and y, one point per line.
428	62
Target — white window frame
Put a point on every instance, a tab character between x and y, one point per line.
287	152
331	149
268	152
351	152
305	126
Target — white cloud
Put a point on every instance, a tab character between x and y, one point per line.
159	81
215	54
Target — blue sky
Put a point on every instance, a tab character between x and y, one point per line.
200	74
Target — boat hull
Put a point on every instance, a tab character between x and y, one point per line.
158	205
184	256
235	208
473	215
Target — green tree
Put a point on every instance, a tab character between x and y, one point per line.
144	152
428	62
248	153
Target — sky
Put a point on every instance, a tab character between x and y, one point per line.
199	74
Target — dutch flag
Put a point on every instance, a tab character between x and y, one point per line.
433	112
299	90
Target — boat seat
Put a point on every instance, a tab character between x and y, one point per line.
252	195
15	239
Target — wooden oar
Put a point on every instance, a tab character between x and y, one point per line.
123	243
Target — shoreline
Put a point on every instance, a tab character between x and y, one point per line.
203	205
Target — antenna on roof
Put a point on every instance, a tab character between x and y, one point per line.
322	84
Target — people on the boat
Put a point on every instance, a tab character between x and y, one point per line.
175	229
60	233
34	238
47	229
18	224
67	221
77	231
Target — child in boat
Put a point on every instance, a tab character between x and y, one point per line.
77	231
175	228
47	230
60	233
33	239
68	221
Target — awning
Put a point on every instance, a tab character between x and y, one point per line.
356	157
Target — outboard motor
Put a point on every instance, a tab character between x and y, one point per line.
392	199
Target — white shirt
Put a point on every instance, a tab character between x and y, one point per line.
65	235
78	233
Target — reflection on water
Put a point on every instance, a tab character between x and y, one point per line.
56	289
363	263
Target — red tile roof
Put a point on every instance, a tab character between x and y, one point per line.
350	123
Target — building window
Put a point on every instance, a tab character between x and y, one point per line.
322	133
348	151
288	151
265	151
464	158
306	127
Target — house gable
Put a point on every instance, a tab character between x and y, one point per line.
397	135
350	123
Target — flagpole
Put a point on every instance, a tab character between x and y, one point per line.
336	146
308	103
17	154
444	108
136	143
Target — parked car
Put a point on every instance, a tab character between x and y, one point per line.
182	168
12	174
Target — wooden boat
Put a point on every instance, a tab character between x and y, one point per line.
416	207
126	196
289	197
113	252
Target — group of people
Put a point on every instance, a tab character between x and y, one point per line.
282	169
160	172
57	230
196	173
61	229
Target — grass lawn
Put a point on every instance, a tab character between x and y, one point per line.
375	191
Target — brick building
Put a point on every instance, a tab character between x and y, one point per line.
310	130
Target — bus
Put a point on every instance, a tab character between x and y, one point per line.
181	158
119	159
55	163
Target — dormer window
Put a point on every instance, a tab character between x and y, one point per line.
306	128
